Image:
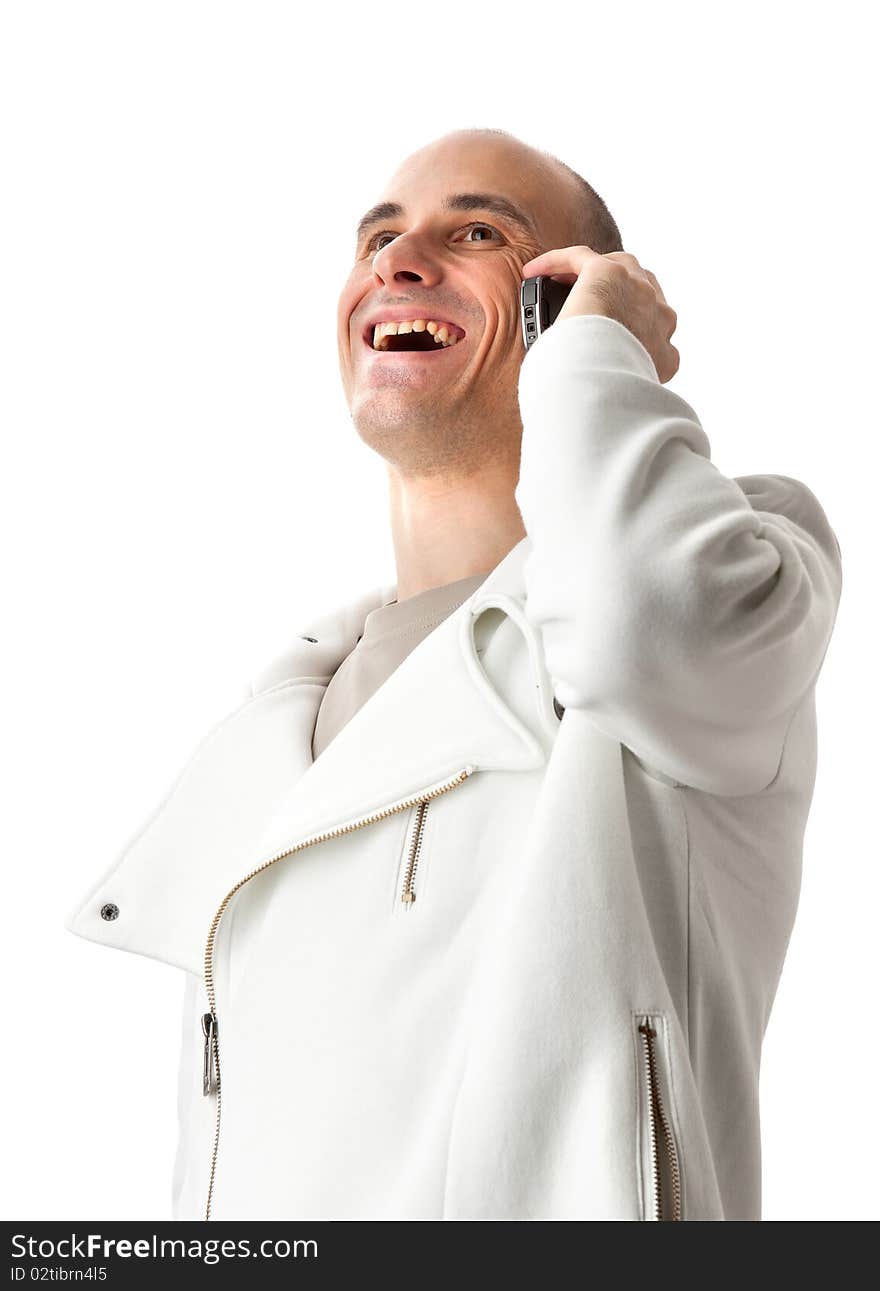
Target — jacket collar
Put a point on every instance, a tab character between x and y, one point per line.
252	788
438	712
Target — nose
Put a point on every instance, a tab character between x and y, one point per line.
403	260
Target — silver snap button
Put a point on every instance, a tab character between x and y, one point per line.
109	910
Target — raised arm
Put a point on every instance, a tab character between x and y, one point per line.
688	612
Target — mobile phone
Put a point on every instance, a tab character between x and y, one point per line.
541	299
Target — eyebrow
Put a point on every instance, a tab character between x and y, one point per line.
493	202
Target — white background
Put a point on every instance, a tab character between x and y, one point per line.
181	484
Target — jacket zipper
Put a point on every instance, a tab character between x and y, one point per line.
663	1148
210	1071
211	1061
407	894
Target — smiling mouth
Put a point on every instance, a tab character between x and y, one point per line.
421	335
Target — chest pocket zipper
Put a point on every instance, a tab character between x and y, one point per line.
407	894
663	1200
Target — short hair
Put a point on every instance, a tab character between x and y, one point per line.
593	219
593	223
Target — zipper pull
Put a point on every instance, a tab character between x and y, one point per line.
210	1075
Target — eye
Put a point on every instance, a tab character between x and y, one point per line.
375	243
475	228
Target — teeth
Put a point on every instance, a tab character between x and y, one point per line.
441	333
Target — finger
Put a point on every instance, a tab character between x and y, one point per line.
559	260
631	263
632	266
655	284
625	257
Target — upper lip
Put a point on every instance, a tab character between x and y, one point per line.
401	313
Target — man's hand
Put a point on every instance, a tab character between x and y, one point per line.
616	285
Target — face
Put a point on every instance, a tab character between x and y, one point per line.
426	406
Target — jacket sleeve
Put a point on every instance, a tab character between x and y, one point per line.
687	612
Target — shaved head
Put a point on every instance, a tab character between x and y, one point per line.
589	219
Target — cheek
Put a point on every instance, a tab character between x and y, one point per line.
502	307
349	298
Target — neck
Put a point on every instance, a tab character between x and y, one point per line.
445	529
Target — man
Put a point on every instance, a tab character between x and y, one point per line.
483	895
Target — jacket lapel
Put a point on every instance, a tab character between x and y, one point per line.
252	788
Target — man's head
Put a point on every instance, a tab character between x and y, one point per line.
445	244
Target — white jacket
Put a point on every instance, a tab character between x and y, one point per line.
508	947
